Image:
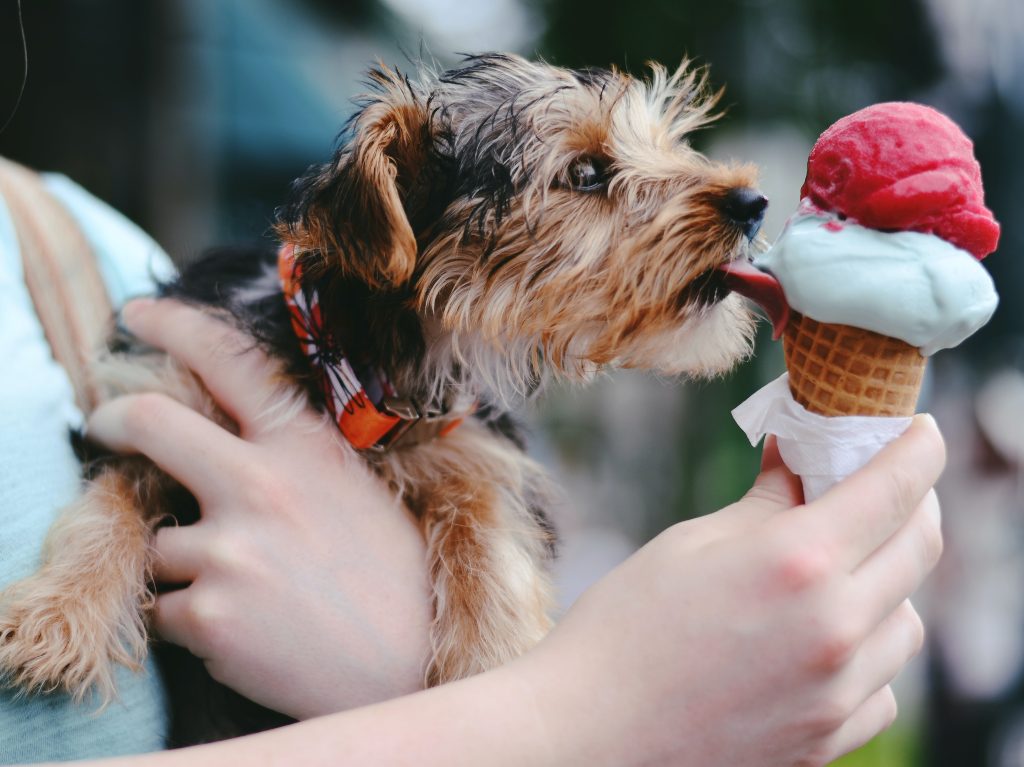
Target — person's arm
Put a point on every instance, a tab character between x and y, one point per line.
766	633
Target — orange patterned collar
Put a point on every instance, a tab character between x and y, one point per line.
366	407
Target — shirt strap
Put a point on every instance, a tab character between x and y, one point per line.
62	277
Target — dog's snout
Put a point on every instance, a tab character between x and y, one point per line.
745	207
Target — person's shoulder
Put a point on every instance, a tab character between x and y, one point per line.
130	260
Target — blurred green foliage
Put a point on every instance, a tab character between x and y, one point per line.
899	746
801	60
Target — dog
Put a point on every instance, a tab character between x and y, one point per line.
478	233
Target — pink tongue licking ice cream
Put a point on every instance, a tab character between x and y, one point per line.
761	288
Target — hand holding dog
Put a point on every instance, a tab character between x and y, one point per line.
764	634
306	583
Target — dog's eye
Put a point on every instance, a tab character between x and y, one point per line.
587	174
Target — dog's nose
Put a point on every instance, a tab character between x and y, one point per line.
745	207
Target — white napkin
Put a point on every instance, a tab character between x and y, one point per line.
821	449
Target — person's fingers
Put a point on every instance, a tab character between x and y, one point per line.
238	374
884	654
776	483
192	449
860	513
177	556
874	716
899	566
771	458
776	488
175	619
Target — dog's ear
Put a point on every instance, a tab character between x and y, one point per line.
355	210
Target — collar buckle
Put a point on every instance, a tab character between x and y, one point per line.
415	424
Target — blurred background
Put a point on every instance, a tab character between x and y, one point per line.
193	116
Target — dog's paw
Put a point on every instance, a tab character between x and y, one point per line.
58	636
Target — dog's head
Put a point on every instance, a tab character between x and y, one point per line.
557	217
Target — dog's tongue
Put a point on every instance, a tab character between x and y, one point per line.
760	287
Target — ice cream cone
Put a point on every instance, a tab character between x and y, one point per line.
841	370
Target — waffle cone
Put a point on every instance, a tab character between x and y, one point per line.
841	370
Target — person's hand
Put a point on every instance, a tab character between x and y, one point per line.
764	634
306	579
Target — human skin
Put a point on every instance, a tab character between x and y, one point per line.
290	516
764	634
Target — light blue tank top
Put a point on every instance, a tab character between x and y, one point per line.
39	474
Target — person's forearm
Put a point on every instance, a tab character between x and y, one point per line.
766	633
490	719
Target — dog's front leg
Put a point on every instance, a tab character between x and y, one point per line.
66	626
491	592
489	550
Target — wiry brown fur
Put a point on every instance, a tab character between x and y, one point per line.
473	496
454	245
84	610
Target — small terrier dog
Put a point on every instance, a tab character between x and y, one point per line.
479	232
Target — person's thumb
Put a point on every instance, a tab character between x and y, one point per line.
776	484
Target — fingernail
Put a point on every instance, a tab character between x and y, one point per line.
134	308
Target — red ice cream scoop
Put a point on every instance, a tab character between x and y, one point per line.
901	166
